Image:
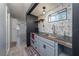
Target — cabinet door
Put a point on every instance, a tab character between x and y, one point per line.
50	47
36	42
41	49
49	50
46	48
56	49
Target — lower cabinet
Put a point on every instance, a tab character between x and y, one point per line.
44	47
49	50
36	42
40	48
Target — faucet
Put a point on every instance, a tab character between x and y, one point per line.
64	34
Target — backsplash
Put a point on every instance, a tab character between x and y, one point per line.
61	27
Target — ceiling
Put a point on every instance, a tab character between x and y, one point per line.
38	10
19	10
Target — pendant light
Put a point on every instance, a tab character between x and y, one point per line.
44	12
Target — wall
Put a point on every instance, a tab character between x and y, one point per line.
31	25
18	36
67	24
22	32
75	28
2	29
14	23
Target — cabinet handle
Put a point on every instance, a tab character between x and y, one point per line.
44	46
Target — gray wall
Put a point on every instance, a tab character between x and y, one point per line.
2	29
31	27
75	34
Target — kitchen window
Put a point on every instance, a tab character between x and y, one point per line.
57	16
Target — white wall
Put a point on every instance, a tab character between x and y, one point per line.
14	23
18	36
22	31
2	29
48	26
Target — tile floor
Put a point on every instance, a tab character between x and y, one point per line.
22	51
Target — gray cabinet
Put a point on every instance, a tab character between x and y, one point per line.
45	47
36	42
49	50
40	48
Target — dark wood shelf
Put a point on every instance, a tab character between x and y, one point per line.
37	21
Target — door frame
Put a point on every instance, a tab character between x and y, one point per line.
7	31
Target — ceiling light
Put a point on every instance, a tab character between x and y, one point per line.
44	12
